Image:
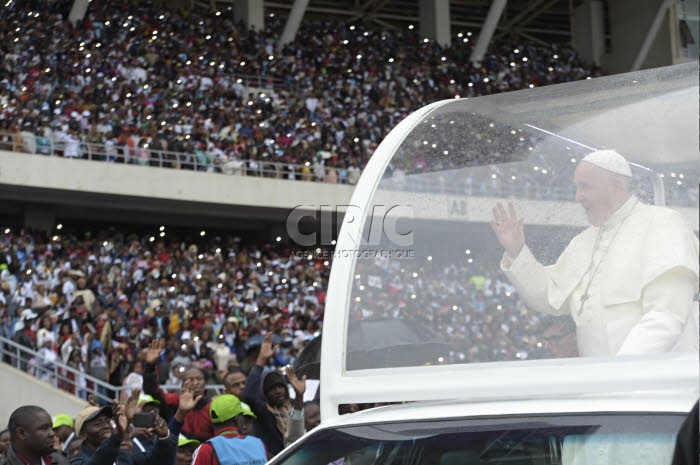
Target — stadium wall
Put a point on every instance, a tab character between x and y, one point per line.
42	188
19	389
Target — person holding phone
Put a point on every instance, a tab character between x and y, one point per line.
268	397
103	444
144	422
197	424
148	422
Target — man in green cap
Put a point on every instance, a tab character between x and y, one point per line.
185	449
229	446
63	427
247	421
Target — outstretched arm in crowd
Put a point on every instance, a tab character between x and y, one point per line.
165	449
111	450
168	401
252	394
295	422
186	403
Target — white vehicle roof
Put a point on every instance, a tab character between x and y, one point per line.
650	117
444	410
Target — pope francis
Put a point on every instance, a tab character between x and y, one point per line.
628	280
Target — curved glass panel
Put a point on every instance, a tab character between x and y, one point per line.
429	283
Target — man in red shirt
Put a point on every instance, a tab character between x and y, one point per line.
229	446
197	424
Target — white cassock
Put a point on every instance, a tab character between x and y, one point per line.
637	284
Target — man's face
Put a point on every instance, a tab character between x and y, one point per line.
151	408
4	441
63	432
312	416
138	368
38	435
595	191
184	455
245	425
234	383
277	395
96	430
196	379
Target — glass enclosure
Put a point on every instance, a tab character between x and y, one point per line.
543	440
428	286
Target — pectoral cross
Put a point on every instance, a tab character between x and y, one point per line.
583	300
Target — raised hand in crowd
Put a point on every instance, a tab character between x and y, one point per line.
160	427
119	414
299	386
92	400
187	401
155	349
131	406
267	349
138	432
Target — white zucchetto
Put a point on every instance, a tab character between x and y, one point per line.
609	160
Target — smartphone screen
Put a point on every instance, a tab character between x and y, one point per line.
144	420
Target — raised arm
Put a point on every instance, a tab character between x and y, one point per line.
295	422
252	393
509	229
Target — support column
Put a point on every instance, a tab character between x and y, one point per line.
78	10
643	35
487	30
250	12
651	35
688	13
589	27
435	21
293	21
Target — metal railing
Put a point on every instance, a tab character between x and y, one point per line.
55	373
148	156
211	389
209	162
505	190
65	377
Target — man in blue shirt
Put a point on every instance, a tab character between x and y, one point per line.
229	446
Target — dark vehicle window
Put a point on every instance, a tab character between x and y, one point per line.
602	439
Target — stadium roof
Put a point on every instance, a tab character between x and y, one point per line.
546	21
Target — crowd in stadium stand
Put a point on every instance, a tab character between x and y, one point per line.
96	302
479	315
145	85
134	81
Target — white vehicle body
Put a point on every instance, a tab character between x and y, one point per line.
650	117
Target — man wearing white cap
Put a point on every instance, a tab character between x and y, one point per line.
628	280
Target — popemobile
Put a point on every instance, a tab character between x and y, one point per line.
521	283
